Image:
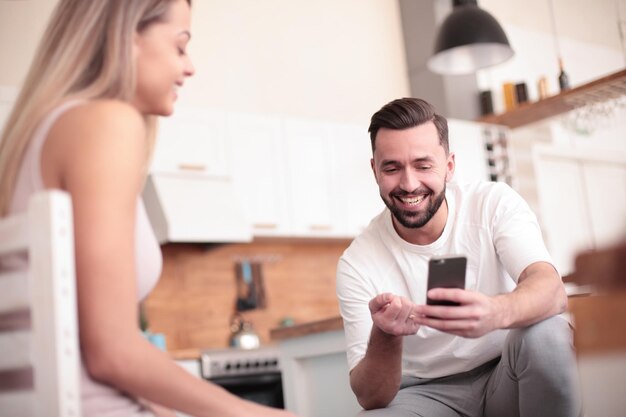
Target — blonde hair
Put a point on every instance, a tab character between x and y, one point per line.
85	53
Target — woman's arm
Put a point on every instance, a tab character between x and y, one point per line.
97	152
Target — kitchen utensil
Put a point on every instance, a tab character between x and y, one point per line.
243	335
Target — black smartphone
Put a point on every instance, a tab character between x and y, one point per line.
446	272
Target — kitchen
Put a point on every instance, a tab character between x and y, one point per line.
268	68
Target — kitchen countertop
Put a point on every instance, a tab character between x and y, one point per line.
299	330
184	354
280	333
305	329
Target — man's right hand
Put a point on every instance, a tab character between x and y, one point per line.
393	314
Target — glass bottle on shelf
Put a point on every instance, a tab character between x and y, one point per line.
563	78
542	88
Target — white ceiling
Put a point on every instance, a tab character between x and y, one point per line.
594	21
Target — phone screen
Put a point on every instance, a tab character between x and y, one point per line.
446	272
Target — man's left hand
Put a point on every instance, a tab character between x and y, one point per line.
476	315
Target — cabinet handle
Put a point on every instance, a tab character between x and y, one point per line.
192	167
320	227
264	226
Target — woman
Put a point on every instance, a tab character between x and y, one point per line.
83	122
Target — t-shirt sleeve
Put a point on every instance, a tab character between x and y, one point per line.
354	297
516	234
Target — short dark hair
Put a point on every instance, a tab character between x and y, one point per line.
405	113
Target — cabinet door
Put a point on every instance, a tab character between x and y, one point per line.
564	210
605	186
258	172
356	197
310	176
192	139
315	375
582	195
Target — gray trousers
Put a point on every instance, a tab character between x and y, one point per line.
535	376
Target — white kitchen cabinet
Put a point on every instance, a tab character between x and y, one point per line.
258	172
295	177
302	178
193	367
316	379
582	196
356	195
190	365
192	139
333	190
605	186
194	207
309	158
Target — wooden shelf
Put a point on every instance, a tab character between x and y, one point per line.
606	88
300	330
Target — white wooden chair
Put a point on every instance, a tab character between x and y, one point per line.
39	354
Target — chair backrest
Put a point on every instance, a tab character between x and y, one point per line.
39	354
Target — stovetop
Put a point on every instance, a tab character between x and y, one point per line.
231	362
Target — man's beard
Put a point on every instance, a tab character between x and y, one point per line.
411	219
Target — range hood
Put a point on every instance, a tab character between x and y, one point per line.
191	207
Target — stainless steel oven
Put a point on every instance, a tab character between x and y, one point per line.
253	374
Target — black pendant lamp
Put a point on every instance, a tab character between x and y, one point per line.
469	39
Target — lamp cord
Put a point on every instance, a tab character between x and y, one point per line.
555	36
620	28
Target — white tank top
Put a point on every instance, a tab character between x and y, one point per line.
98	400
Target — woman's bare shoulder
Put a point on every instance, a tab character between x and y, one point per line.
95	133
99	115
98	123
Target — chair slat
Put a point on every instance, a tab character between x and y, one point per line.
41	303
15	348
14	291
13	234
19	403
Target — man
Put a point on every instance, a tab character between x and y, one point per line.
411	359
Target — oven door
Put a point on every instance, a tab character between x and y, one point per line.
263	388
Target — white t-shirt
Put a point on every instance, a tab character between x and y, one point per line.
490	224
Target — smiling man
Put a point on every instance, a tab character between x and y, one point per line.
503	350
411	168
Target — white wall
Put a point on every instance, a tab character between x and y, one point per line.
594	21
329	60
21	26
